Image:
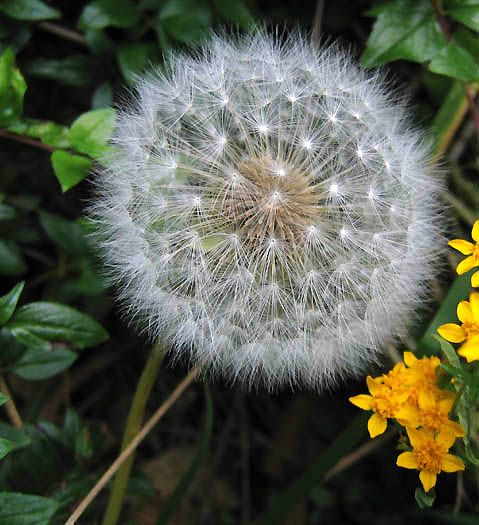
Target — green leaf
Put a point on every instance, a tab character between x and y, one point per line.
75	70
3	398
405	29
69	169
468	40
11	259
104	13
91	132
36	364
133	59
235	12
185	20
424	499
69	235
454	61
8	302
103	96
448	351
25	509
48	132
29	10
466	12
7	212
55	322
16	436
12	90
6	446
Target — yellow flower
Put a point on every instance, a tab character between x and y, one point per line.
431	413
468	314
430	455
470	249
383	401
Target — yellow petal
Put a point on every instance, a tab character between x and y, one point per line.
475	230
452	332
409	358
428	479
474	302
408	416
465	265
377	425
407	460
425	399
465	247
470	350
451	463
475	280
456	428
445	404
418	437
374	385
464	312
445	438
362	401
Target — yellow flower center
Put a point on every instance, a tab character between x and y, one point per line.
429	456
470	329
386	406
433	418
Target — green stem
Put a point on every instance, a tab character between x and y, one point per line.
133	425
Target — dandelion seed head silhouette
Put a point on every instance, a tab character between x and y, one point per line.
268	211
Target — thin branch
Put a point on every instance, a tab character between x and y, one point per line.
10	405
132	446
62	32
26	140
359	453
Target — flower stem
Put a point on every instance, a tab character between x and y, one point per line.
133	425
10	405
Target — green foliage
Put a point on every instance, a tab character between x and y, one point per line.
76	67
408	29
12	90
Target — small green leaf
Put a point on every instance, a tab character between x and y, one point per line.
235	12
103	96
8	302
69	235
466	12
29	10
7	212
424	499
454	61
12	90
48	132
104	13
16	436
11	259
25	509
56	322
448	351
133	59
3	398
91	132
185	20
5	447
75	70
69	169
405	29
36	364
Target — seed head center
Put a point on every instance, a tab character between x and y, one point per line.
271	202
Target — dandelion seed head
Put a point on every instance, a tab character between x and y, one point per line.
268	211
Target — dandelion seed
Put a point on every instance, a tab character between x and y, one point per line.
282	282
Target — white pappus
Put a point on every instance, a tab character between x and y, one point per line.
268	211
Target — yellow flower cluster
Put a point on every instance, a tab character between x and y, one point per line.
409	393
470	249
